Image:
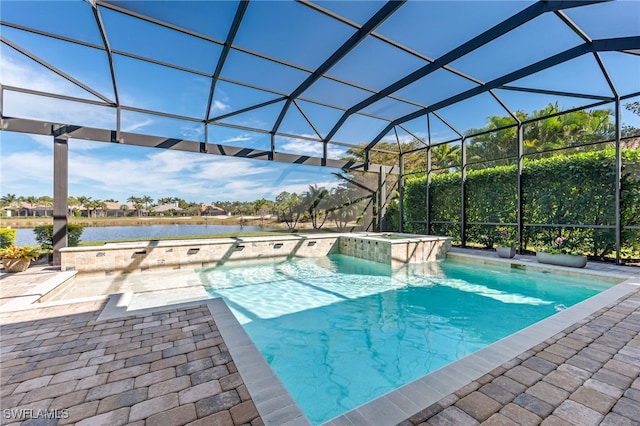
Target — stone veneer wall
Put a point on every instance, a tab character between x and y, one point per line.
170	254
173	254
395	251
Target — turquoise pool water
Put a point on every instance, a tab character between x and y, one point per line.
341	331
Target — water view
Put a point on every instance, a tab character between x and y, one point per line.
26	236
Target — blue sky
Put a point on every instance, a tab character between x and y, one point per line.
295	34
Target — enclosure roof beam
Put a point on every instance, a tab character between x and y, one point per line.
491	34
54	69
58	130
603	45
235	26
385	11
555	93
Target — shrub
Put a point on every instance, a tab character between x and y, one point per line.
565	189
7	237
44	235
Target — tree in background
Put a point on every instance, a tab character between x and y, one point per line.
446	158
386	153
262	207
627	130
10	200
315	201
147	201
46	202
289	207
137	204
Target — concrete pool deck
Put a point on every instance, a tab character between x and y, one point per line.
192	363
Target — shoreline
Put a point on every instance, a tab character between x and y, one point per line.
31	221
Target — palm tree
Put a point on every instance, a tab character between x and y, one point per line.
72	204
32	204
289	208
11	201
315	201
137	204
146	200
102	205
445	157
82	200
90	205
46	202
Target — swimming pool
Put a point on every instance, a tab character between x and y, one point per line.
340	331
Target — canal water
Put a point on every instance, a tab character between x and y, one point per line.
26	236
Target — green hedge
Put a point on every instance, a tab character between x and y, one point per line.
44	235
570	189
7	237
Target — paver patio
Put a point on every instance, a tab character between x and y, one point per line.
169	367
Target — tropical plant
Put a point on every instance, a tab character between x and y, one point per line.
507	238
20	252
7	237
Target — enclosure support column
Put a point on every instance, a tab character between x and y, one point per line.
463	195
60	193
382	199
428	194
618	187
519	195
401	193
272	150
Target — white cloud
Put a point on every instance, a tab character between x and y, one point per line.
219	106
242	138
310	148
133	126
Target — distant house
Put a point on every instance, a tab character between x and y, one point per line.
115	209
28	209
111	209
167	210
211	210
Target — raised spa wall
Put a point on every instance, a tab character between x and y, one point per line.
393	249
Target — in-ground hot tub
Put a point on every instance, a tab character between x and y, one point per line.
393	248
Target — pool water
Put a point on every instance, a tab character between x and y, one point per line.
341	331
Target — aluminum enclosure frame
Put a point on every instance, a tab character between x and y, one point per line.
291	99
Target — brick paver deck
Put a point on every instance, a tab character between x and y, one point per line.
169	367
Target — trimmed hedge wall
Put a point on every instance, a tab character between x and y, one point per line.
571	189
